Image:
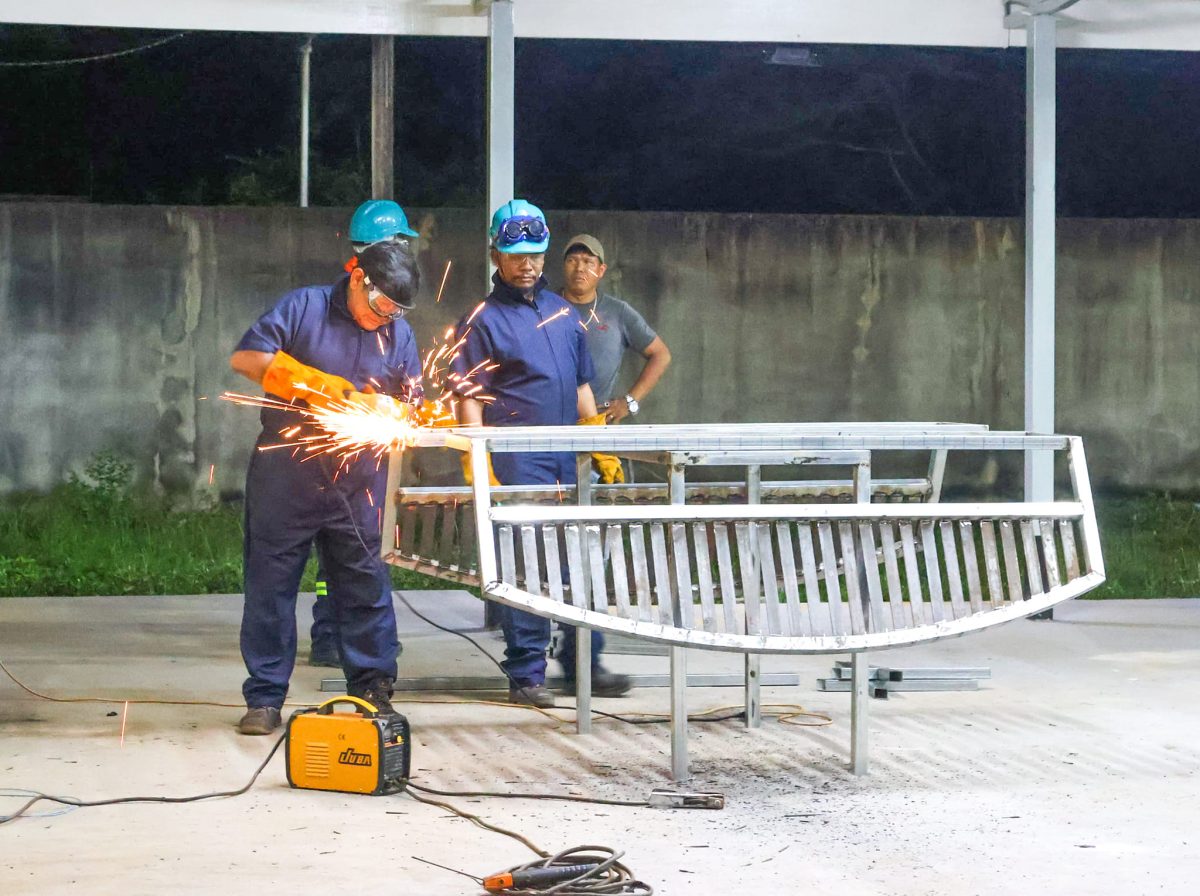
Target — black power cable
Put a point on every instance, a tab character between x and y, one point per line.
77	803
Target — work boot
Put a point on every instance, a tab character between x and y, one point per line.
378	693
324	655
259	720
531	695
604	684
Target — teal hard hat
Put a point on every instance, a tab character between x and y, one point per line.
377	220
519	228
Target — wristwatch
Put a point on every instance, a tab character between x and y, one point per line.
632	404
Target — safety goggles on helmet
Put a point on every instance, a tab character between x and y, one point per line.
518	229
381	308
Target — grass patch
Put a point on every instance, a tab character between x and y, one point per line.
96	535
1151	547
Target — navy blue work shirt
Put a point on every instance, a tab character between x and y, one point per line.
313	324
540	367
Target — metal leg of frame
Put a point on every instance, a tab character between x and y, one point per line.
859	670
583	636
753	690
753	661
679	717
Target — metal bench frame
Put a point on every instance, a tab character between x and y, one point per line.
513	562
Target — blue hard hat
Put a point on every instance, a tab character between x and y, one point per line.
519	228
377	220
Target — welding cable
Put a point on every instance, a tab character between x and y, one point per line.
602	874
80	804
606	876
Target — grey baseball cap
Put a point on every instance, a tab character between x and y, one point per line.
588	242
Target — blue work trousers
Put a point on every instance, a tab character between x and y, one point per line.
289	504
527	635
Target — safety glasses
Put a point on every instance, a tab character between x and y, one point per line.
516	230
379	303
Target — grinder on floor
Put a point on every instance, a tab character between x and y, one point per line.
318	345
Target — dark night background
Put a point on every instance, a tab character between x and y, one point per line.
212	118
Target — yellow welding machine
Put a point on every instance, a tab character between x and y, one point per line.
363	751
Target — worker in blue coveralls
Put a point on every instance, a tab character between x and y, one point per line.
318	345
375	221
541	378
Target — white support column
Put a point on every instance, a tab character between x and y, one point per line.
1040	115
383	115
501	117
305	104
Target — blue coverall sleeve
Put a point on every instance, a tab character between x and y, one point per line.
276	330
474	354
411	388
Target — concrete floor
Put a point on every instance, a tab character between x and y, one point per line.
1072	771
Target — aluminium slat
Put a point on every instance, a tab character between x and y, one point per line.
1033	563
469	557
447	549
1049	544
508	560
641	572
704	579
407	518
895	594
1012	570
866	537
554	568
820	616
725	574
429	519
953	577
595	554
833	586
966	533
854	597
991	563
682	606
662	574
770	581
615	544
933	572
573	538
912	576
787	570
750	580
533	581
1066	530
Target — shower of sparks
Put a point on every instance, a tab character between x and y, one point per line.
379	338
212	470
563	312
348	430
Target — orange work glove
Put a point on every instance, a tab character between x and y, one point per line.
466	465
607	465
379	403
291	380
434	413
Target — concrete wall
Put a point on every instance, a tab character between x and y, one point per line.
116	324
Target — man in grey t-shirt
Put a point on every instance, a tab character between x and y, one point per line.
613	327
